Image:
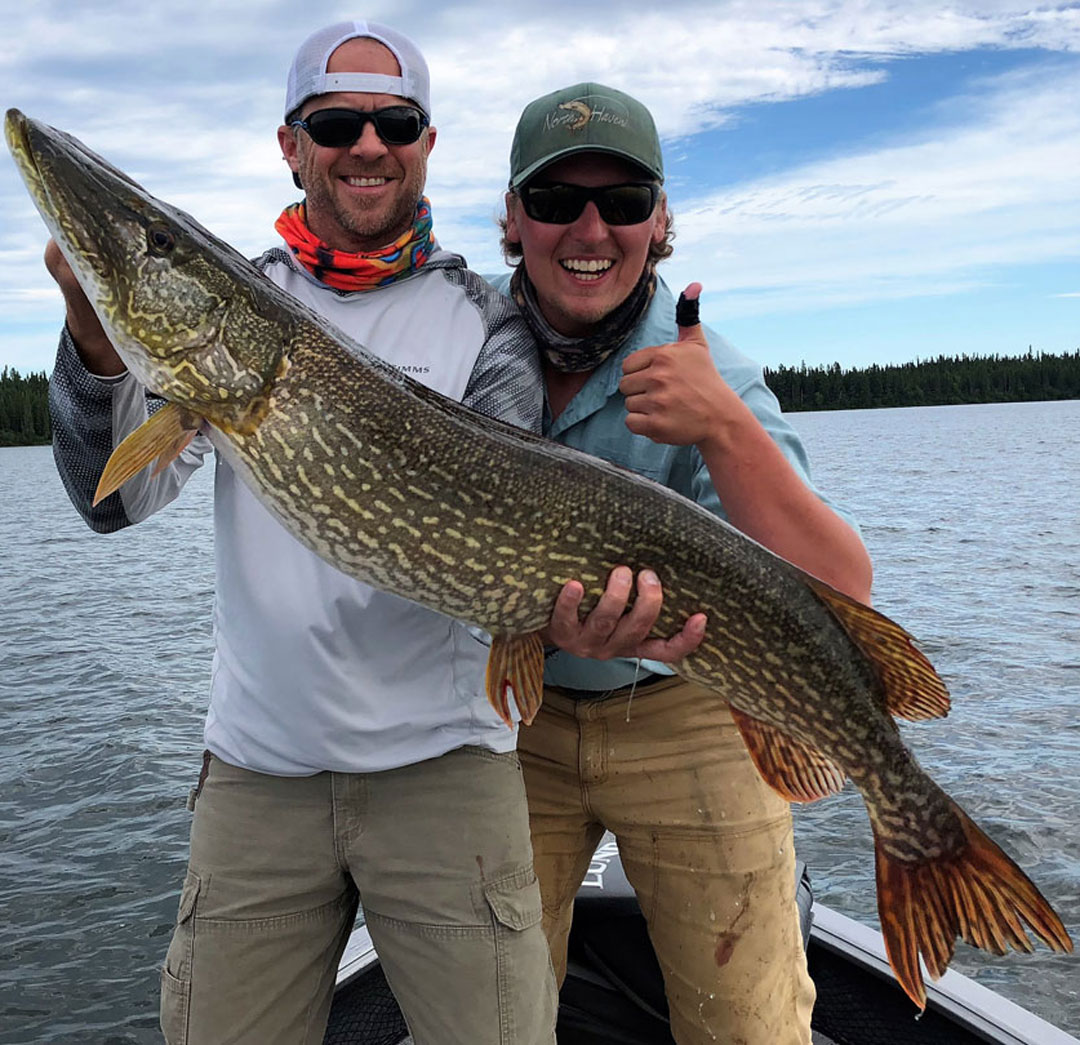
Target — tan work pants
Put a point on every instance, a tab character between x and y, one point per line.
439	855
706	844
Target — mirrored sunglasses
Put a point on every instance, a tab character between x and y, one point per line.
560	204
338	128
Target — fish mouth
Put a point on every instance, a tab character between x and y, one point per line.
17	135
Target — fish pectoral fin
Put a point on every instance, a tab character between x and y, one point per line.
162	437
913	689
975	892
794	770
516	663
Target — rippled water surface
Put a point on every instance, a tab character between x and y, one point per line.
973	518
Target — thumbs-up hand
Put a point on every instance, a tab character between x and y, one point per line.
673	392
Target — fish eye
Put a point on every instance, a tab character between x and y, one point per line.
160	238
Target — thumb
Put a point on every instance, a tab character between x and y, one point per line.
687	312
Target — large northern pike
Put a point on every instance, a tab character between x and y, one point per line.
411	492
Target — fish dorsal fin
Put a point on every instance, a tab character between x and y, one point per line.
913	689
794	770
162	438
516	663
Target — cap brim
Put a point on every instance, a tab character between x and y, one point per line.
535	168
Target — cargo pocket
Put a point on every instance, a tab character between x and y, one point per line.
515	900
525	979
176	972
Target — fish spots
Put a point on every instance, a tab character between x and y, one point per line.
359	509
312	488
444	557
278	438
412	530
469	542
323	445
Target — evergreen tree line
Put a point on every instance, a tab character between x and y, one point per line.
929	382
24	409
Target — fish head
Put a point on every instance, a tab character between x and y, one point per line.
171	296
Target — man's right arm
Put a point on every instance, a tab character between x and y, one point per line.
94	403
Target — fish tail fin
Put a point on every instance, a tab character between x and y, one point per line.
977	893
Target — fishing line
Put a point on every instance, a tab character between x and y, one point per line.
633	686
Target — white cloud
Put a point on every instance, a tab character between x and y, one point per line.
995	188
186	98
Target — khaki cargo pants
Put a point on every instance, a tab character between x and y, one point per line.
706	844
437	852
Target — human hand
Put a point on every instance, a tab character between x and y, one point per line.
674	393
610	630
94	347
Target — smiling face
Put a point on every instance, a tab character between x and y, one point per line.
584	270
359	197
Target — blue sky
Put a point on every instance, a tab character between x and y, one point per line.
854	181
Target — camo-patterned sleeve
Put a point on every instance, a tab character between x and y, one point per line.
90	415
506	381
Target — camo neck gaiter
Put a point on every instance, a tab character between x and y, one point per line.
367	270
576	354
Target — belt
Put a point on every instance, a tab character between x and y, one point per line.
598	694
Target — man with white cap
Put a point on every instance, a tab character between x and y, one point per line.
351	751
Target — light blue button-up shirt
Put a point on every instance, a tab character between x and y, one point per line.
595	421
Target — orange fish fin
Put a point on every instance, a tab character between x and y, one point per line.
794	770
913	689
174	451
161	437
516	663
977	893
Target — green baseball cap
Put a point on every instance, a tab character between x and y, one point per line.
587	117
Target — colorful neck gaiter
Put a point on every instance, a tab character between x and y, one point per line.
574	354
364	271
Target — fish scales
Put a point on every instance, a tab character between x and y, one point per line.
409	491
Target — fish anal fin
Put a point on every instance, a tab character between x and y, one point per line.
162	437
976	893
516	664
913	689
794	770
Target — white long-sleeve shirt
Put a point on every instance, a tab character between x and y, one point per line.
313	670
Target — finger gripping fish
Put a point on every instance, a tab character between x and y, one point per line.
409	491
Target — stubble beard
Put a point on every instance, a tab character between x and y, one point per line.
369	224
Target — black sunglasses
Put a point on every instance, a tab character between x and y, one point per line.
337	128
560	204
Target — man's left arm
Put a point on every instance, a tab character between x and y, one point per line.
675	394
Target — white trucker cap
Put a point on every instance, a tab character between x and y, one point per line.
308	76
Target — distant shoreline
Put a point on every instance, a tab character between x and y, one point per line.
943	381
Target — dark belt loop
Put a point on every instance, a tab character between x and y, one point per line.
197	789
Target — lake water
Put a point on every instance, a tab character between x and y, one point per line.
972	515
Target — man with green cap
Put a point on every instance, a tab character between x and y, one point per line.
622	744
